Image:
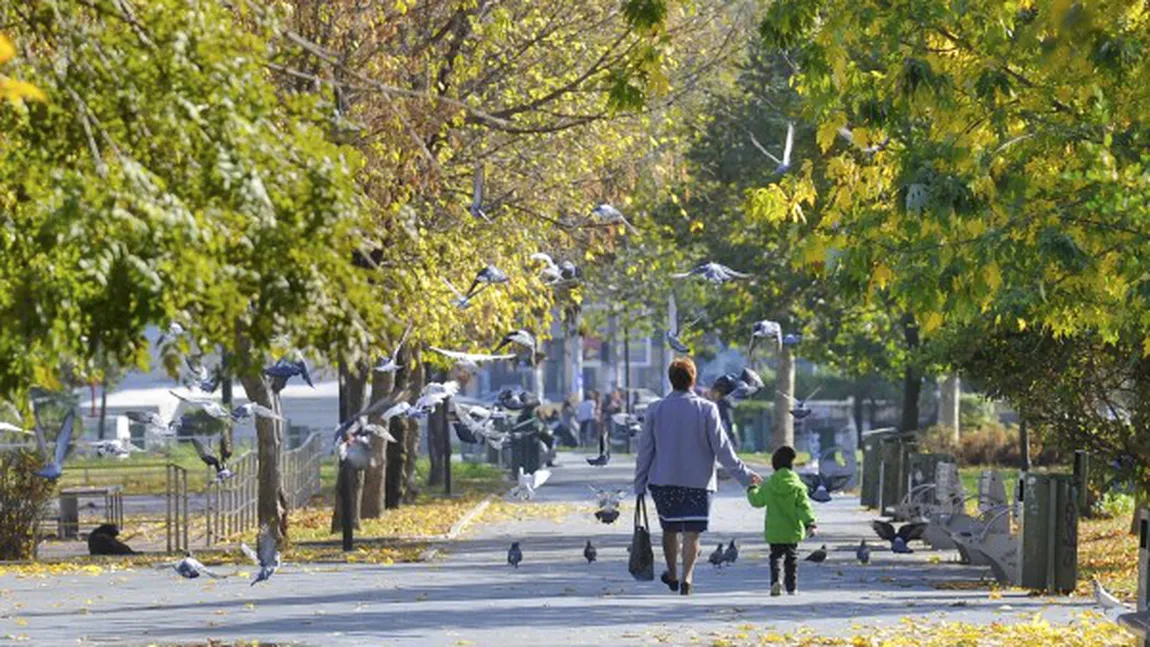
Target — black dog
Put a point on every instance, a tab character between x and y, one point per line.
102	541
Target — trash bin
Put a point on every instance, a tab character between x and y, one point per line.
525	454
1050	532
894	470
871	467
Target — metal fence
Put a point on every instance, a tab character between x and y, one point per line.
232	505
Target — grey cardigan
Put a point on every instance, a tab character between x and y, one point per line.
681	439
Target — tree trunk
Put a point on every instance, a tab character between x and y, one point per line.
371	501
912	378
271	509
857	409
352	393
103	407
411	437
228	439
948	406
784	423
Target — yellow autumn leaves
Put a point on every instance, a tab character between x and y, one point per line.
13	90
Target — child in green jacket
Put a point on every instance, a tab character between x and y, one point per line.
789	516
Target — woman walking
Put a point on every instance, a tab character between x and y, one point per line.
681	440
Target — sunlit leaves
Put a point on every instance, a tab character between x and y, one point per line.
13	90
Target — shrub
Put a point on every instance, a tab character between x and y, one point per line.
1113	504
992	444
975	412
23	496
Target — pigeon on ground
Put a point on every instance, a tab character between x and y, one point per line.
716	557
818	556
521	337
253	410
731	554
489	275
391	364
589	552
190	568
766	329
514	554
470	361
284	369
219	463
609	215
906	533
267	557
459	300
863	553
600	460
53	467
712	272
1111	606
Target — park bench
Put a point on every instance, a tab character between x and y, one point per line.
987	544
69	519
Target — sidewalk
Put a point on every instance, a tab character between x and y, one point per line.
469	595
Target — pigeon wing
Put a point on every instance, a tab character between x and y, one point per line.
267	547
64	438
251	554
884	530
263	412
911	531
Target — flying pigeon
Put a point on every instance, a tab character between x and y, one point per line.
568	271
818	556
609	215
210	407
731	554
898	545
53	469
748	384
106	448
589	552
521	337
863	553
201	378
253	410
607	516
514	400
268	557
712	272
476	207
149	418
391	364
528	483
906	533
356	452
459	300
792	339
766	329
489	275
219	463
550	273
284	369
433	395
800	410
470	361
190	568
9	427
820	486
514	554
716	557
677	344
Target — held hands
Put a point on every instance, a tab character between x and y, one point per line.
756	479
812	530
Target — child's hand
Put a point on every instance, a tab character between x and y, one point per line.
756	479
812	530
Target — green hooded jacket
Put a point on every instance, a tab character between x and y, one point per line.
789	512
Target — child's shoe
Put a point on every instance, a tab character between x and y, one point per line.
776	590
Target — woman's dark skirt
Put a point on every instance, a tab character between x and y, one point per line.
681	509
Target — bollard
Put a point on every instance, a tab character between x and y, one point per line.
1050	533
1144	560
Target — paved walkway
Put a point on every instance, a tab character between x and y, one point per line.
470	596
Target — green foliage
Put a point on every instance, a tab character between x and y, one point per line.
1112	505
975	411
23	496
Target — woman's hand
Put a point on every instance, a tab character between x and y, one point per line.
756	479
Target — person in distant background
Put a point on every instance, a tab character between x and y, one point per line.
585	416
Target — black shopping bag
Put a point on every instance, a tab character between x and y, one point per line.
642	562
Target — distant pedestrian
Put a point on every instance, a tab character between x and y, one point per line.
789	517
585	416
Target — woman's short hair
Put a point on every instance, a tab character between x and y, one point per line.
682	373
783	457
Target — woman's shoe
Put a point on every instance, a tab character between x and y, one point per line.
671	584
684	588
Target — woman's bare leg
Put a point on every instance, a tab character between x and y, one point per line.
671	552
690	554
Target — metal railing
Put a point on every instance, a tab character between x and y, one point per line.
233	504
176	498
